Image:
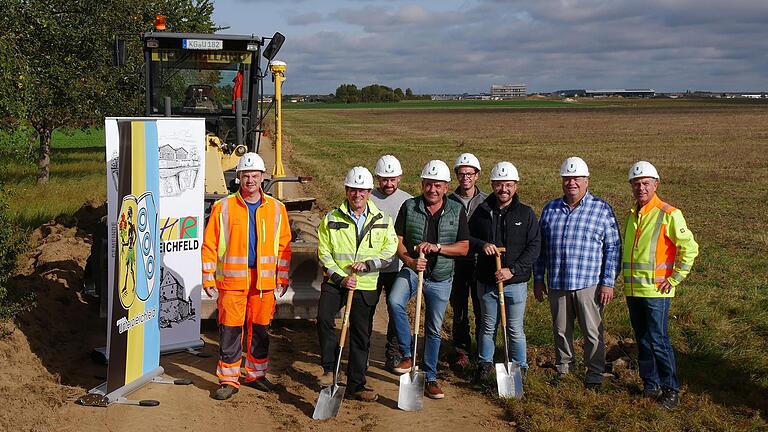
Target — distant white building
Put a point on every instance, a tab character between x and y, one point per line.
508	91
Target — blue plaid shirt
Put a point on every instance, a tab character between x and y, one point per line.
581	247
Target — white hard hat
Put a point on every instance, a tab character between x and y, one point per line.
388	166
436	170
251	162
574	167
359	178
504	171
467	159
643	169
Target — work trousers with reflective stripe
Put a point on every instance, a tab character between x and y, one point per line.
251	311
583	304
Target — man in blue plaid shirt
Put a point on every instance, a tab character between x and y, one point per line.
581	256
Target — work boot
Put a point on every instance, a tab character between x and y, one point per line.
593	386
669	399
461	361
404	366
262	384
325	379
365	394
523	374
433	391
225	392
558	379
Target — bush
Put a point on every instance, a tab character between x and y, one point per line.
12	244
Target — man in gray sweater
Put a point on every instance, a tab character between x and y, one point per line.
388	197
467	169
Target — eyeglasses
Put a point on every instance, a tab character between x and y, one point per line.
465	174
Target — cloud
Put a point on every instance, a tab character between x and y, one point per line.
305	18
547	44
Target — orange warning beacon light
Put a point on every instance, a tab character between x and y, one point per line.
160	22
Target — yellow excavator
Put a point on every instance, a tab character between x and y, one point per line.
219	77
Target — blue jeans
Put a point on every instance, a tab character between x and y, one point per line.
514	302
655	358
436	296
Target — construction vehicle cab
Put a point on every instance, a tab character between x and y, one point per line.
220	78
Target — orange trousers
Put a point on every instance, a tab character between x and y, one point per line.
251	311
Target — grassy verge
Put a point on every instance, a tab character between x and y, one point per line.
713	162
77	176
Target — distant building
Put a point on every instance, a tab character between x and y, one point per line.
621	92
508	91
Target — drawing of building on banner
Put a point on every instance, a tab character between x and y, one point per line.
175	308
179	169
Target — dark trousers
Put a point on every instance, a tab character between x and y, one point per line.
384	283
332	299
463	289
655	357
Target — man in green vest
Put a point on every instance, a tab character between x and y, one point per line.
437	227
355	241
659	251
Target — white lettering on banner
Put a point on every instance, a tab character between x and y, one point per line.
124	325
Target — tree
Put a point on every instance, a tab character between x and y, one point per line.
399	94
347	93
65	79
408	93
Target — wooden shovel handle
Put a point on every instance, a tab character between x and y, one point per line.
345	321
500	287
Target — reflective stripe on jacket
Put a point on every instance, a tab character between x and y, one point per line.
658	246
339	245
225	244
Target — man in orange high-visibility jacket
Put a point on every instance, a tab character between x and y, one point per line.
246	257
659	251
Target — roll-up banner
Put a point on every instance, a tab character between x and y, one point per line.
134	327
180	152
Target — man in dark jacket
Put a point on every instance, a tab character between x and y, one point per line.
503	221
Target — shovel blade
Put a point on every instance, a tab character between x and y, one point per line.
411	392
329	402
509	380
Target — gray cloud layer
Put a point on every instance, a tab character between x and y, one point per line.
547	44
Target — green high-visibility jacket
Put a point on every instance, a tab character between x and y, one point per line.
658	246
340	245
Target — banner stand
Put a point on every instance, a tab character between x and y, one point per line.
97	397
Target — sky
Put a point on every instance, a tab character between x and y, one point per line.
450	46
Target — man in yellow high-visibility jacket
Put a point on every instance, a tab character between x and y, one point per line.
355	241
659	251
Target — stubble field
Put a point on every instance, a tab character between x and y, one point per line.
713	165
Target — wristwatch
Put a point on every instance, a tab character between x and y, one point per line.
439	247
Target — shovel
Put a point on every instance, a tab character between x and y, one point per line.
508	377
411	392
329	401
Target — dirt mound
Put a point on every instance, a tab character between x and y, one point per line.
48	352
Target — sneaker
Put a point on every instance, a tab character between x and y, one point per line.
404	366
652	393
225	392
365	394
325	379
669	399
433	391
391	362
462	361
262	384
